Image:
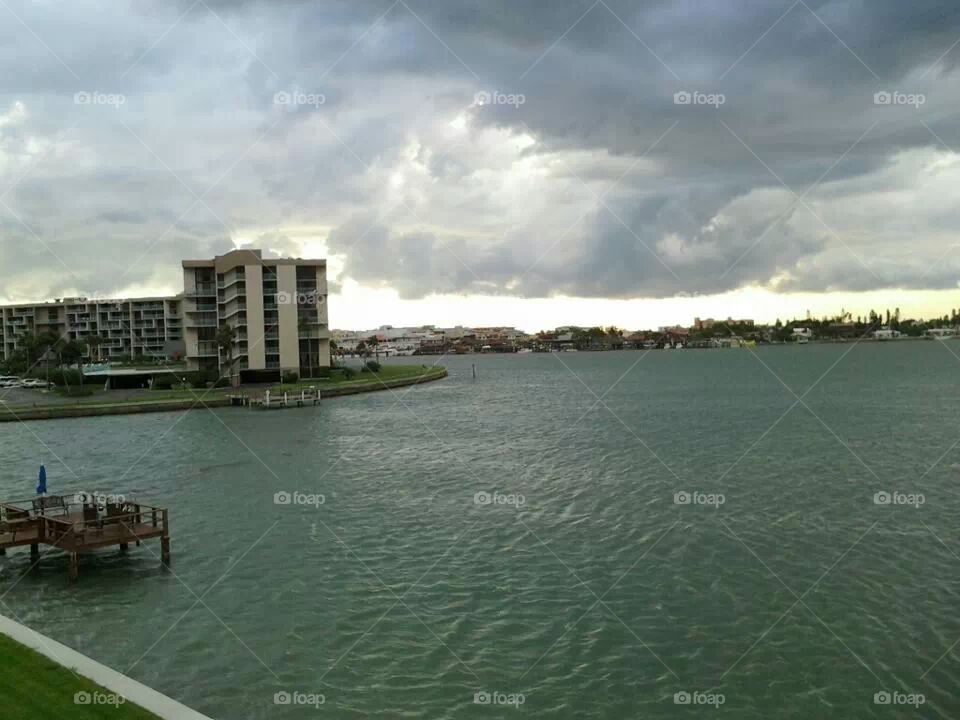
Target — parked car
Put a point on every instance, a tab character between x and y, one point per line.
33	384
9	381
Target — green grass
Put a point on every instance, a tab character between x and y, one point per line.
102	398
386	374
35	688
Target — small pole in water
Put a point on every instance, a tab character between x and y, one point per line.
474	368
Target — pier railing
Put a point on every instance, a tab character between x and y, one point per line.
69	524
54	531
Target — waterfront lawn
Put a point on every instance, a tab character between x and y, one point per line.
337	379
35	688
106	399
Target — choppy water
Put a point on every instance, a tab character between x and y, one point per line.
599	597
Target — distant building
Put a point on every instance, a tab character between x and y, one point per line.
708	323
886	333
127	327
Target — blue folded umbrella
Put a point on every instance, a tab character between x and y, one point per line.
42	481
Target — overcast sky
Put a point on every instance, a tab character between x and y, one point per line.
490	161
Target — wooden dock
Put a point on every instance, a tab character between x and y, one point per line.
278	400
78	526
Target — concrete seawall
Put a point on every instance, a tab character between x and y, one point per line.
133	691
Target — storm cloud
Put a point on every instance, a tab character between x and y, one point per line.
592	149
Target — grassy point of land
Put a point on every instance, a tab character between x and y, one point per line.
386	374
106	402
33	687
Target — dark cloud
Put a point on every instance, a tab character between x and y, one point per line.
422	190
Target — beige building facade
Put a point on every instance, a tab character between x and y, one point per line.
276	307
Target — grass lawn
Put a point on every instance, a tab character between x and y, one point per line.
106	398
35	688
386	374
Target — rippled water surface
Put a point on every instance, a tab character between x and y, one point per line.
598	597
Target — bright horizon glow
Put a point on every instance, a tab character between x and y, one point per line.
358	307
362	308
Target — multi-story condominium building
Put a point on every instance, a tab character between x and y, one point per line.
276	307
147	327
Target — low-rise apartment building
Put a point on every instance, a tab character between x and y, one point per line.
131	327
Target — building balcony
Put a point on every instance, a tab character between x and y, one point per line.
202	290
230	281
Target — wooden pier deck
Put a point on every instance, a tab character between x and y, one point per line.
79	526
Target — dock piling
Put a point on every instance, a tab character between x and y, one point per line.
74	566
34	552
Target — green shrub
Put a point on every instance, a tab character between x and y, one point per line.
222	382
289	377
372	366
323	372
348	373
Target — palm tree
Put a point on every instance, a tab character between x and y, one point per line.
226	340
375	341
94	342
